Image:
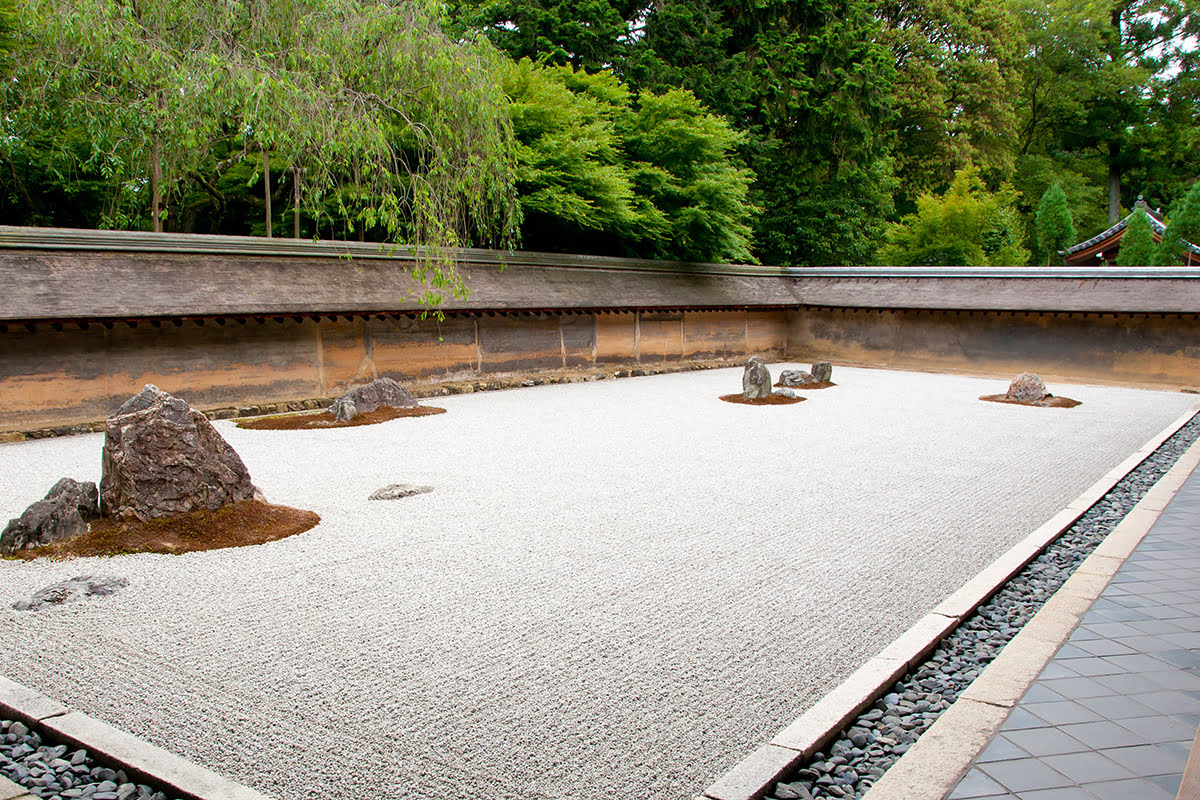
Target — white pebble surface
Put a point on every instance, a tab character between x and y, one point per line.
616	590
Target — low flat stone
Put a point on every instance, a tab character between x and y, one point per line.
381	393
71	591
399	490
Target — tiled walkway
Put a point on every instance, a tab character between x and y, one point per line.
1113	715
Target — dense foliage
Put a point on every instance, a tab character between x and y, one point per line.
968	226
1138	248
781	131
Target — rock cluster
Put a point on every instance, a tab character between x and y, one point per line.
1026	388
381	393
163	458
877	738
70	591
65	512
60	771
756	380
822	371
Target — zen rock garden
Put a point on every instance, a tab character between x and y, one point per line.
757	387
169	483
380	400
1028	389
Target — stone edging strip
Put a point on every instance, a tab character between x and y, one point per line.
754	776
933	766
114	748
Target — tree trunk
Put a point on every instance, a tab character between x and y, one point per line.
267	187
296	171
1114	182
156	184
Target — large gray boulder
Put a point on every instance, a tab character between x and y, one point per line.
65	512
164	458
796	377
822	371
381	393
1026	388
756	380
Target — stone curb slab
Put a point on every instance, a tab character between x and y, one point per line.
933	766
754	776
11	791
139	758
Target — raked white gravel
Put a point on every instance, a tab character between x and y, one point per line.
615	590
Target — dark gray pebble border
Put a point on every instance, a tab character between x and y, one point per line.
60	773
881	735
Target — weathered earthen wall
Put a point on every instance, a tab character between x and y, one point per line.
1152	350
54	375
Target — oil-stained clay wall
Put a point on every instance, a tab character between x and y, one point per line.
1149	350
54	375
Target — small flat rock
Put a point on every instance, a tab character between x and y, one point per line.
71	591
399	490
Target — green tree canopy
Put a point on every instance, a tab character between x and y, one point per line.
386	123
1055	229
967	226
605	171
1138	248
1183	227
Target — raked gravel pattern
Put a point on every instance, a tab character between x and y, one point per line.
877	739
616	589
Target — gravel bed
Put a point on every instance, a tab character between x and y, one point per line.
882	734
59	773
614	592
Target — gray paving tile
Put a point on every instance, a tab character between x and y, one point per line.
1098	735
1185	659
1146	644
1081	634
1133	789
1139	662
1075	650
1156	627
1002	749
1158	729
1117	707
1063	712
1121	614
1089	767
1039	692
1146	760
1026	775
976	784
1094	666
1127	683
1056	669
1021	719
1105	647
1040	742
1179	679
1066	793
1169	783
1112	629
1076	688
1168	702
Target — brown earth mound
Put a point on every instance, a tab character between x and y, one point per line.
769	400
309	421
249	522
1049	401
807	386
